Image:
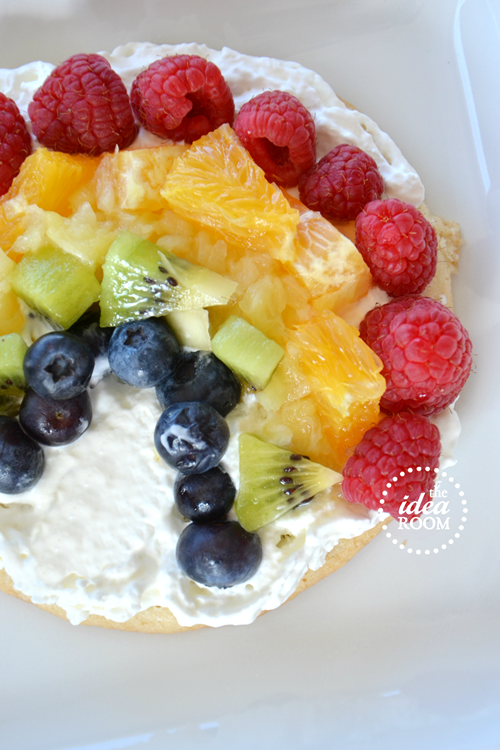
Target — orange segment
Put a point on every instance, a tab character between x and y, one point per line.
338	364
217	183
345	379
47	179
327	262
132	180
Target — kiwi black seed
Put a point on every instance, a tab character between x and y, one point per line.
274	480
141	279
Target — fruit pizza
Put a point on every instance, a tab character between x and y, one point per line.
225	322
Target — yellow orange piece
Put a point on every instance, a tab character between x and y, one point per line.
338	364
47	179
132	180
345	379
327	262
217	183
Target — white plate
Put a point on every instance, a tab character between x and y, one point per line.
394	650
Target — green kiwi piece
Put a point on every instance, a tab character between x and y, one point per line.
274	480
12	381
142	280
55	284
247	351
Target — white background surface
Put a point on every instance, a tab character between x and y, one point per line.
393	651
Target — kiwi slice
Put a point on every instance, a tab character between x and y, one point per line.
55	284
142	280
12	381
274	480
247	351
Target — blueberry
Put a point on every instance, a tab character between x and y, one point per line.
54	422
199	376
141	352
58	365
21	459
191	437
204	497
88	329
218	554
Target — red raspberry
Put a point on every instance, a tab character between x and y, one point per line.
280	135
398	245
341	183
426	353
404	443
15	142
182	98
83	107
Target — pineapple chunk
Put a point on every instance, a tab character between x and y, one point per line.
191	328
81	235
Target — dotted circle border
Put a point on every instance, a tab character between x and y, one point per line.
443	546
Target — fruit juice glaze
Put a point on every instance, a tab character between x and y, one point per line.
97	535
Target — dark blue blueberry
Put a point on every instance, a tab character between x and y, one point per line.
140	352
21	459
54	422
191	437
218	554
199	376
204	497
58	365
88	329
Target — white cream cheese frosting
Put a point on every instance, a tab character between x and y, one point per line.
97	534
